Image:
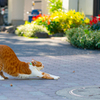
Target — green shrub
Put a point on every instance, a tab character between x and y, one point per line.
30	29
50	22
55	5
82	37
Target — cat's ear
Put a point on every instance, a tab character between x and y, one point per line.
33	62
33	59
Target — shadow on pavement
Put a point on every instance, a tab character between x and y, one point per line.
41	47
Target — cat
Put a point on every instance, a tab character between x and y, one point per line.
10	64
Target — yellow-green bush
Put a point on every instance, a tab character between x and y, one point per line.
54	5
60	21
70	19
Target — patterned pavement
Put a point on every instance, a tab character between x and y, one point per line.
76	68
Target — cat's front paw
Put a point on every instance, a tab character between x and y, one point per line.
55	77
1	78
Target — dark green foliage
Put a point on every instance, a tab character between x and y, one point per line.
96	26
83	37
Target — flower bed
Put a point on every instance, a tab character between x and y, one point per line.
95	23
60	21
57	22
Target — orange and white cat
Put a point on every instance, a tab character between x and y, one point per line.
10	64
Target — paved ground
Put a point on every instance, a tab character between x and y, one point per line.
76	68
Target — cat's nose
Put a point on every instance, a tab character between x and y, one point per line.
43	66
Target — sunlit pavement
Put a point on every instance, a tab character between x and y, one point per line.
76	68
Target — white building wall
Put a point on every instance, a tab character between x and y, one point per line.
73	4
65	5
45	6
86	6
10	10
70	4
15	9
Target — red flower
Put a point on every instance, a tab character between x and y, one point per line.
34	18
99	17
52	19
95	20
91	22
39	15
48	22
42	20
44	15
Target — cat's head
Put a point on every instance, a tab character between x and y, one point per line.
37	64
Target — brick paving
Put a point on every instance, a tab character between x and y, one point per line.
76	67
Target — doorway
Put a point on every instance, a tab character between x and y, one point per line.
96	7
